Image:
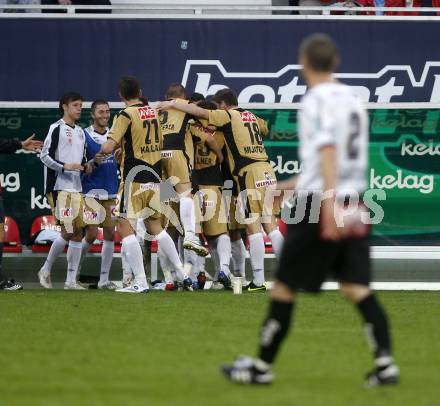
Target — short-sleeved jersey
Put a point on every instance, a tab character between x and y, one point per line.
243	133
137	130
174	124
206	164
332	115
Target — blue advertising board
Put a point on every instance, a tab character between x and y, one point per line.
385	61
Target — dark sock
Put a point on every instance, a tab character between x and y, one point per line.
274	330
376	325
2	275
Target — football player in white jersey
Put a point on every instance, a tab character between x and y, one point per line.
333	133
63	155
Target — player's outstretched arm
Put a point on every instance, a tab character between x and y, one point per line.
191	109
108	147
30	144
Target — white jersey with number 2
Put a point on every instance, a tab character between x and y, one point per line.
332	115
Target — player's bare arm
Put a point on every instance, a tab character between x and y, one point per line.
108	147
191	109
30	144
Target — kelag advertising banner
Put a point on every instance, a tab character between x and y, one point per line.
397	61
404	162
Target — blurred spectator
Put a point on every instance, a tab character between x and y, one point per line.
76	3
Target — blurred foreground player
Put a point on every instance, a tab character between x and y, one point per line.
333	132
10	147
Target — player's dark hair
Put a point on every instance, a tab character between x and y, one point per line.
174	91
208	105
97	103
129	88
144	100
321	52
67	98
196	97
226	95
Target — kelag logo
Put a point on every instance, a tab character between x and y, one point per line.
392	83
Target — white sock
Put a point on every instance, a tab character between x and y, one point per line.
224	252
165	265
277	242
180	249
84	250
238	257
190	257
256	253
73	259
167	245
133	254
126	270
55	250
188	216
200	264
108	248
216	262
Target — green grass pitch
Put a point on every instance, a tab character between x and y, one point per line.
164	348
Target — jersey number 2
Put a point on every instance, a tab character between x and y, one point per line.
355	132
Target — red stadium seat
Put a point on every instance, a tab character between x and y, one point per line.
97	244
12	241
43	223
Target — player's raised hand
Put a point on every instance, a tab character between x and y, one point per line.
31	145
73	167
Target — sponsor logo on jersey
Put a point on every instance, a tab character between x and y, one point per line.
146	113
66	212
247	117
206	130
396	83
166	154
267	181
89	215
209	203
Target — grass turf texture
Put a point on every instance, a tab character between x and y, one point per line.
103	348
